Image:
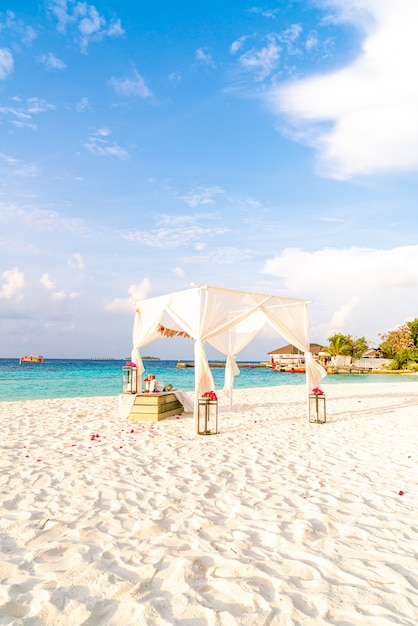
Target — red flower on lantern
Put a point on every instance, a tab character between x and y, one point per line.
210	395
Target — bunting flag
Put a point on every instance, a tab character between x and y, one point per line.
168	332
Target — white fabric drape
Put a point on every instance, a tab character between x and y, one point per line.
125	404
228	319
293	324
232	342
145	329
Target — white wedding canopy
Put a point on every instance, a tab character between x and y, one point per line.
228	320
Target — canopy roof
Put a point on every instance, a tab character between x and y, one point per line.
228	320
289	349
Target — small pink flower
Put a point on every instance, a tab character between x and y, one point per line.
210	395
401	493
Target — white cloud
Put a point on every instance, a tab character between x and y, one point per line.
18	27
204	58
82	105
262	61
40	219
18	112
86	21
238	44
6	63
290	35
101	150
17	167
220	256
98	144
103	132
38	105
90	21
46	282
135	86
271	13
175	78
13	284
141	291
332	220
202	196
362	119
357	12
76	262
178	271
359	291
312	41
166	219
25	112
174	236
52	62
126	305
59	296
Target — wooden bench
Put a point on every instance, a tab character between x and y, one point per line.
153	407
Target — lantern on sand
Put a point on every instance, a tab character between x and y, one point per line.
317	406
208	414
129	378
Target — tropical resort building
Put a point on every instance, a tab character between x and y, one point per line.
290	358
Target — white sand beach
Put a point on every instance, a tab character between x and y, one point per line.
274	521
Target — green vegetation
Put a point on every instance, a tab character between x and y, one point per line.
399	345
346	345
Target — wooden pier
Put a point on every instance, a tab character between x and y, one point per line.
211	364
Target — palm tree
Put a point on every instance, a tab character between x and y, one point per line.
338	344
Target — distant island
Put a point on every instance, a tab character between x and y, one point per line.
112	358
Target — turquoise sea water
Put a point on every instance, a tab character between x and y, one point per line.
68	378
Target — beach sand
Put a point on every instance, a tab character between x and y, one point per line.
274	521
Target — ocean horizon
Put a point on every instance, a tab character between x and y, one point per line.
70	378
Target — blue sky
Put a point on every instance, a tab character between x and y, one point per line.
147	146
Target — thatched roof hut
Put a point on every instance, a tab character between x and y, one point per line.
289	349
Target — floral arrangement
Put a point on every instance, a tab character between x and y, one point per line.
210	395
317	391
130	364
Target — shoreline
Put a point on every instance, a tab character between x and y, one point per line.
274	520
300	383
352	371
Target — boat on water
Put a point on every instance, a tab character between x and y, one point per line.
212	364
31	358
294	370
297	367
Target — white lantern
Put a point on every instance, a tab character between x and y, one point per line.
317	408
207	416
129	379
